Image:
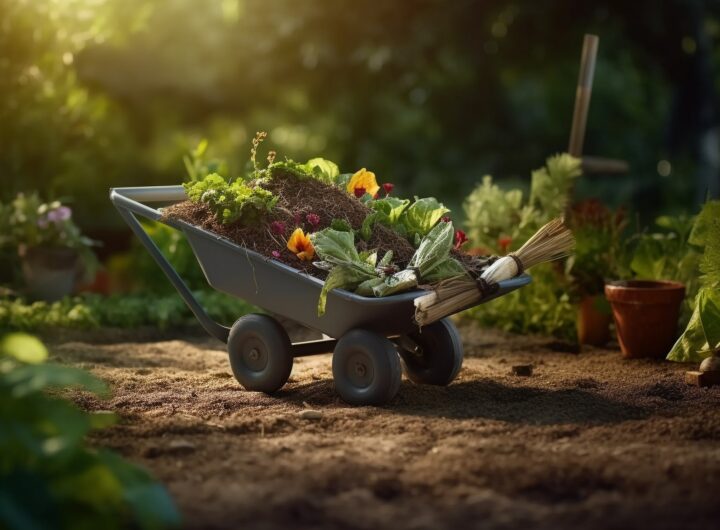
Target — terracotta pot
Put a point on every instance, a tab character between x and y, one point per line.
49	272
646	315
593	323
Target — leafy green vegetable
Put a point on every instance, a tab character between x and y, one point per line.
702	334
392	207
323	170
318	168
421	216
48	477
348	270
430	263
233	202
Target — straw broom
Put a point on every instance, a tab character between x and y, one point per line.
553	241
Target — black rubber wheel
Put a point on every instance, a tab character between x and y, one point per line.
366	368
438	356
260	354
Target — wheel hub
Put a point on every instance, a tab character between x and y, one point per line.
254	356
360	370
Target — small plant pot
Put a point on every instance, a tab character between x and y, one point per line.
49	272
593	323
646	315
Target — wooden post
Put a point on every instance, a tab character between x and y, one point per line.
582	96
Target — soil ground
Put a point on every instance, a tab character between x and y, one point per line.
588	441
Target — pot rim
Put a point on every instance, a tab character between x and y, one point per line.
644	285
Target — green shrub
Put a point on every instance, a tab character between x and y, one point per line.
49	478
91	311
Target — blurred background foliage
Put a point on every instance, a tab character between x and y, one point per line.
431	95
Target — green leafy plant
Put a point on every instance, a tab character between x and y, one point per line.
235	202
668	254
497	221
49	478
599	244
702	334
92	311
412	220
493	214
198	165
28	221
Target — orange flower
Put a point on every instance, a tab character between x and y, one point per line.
300	245
364	180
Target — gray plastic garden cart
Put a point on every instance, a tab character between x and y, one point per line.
368	333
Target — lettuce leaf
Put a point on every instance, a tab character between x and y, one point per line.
702	334
421	216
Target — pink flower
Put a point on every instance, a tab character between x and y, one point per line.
275	254
359	192
278	227
313	219
388	187
460	239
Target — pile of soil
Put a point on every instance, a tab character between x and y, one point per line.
297	199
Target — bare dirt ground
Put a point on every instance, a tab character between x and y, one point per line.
588	441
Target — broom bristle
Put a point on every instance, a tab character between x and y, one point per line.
553	241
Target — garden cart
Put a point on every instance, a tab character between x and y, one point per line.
367	333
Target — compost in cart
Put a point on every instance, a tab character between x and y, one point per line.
351	231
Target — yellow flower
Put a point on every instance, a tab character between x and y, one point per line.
300	245
363	182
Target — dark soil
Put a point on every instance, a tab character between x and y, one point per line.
588	441
297	199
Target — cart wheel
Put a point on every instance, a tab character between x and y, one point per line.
366	368
260	355
438	356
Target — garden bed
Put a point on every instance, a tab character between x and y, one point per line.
587	441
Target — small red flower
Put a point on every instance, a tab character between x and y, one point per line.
376	196
445	219
359	192
278	227
504	243
313	219
275	254
460	239
388	187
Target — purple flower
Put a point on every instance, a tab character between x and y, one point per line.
313	219
58	215
275	254
278	227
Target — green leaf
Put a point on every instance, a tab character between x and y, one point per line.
28	379
422	215
392	207
702	332
323	169
23	347
709	213
649	259
341	225
341	277
335	246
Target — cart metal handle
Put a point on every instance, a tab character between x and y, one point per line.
126	200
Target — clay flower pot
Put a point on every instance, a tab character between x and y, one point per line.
49	272
646	315
593	323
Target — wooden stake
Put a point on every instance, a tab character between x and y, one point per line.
582	96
